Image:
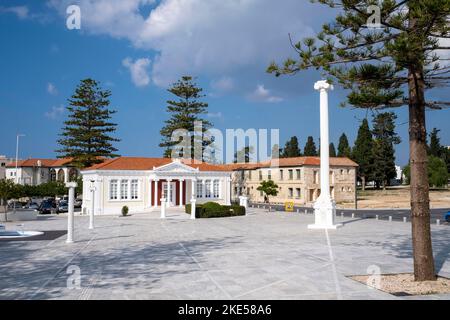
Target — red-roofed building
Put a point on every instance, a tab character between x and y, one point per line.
140	183
38	171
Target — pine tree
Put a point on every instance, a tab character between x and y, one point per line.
332	150
344	149
291	149
310	149
385	138
362	153
387	60
86	136
435	148
185	112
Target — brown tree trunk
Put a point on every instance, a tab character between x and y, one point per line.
363	183
420	202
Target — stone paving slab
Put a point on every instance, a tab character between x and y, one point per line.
259	256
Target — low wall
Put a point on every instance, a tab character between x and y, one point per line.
19	216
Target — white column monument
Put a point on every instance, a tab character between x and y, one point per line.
325	207
169	192
71	186
91	214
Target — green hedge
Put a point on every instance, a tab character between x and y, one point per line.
215	210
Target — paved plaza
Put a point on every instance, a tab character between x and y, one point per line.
260	256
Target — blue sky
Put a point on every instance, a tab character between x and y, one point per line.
136	48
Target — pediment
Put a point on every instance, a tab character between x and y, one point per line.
176	167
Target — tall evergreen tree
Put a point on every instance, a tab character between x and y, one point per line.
385	138
435	148
387	60
332	150
184	113
291	149
310	149
344	149
86	136
362	153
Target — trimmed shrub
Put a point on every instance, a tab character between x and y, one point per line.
125	211
215	210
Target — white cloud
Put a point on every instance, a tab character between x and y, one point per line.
138	70
55	113
198	37
215	115
21	12
223	84
51	89
261	94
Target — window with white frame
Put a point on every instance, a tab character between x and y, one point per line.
208	189
199	189
124	190
216	189
134	189
113	185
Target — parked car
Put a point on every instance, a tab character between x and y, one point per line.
78	203
33	206
447	217
63	206
46	207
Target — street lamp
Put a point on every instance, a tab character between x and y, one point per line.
17	154
17	162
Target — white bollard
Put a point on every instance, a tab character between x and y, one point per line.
306	211
91	214
438	222
353	216
390	218
163	208
405	220
377	217
70	227
342	215
193	202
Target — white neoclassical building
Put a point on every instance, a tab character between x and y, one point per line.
140	183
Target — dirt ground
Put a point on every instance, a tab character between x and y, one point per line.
399	197
405	284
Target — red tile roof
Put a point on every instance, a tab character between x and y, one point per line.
133	163
44	163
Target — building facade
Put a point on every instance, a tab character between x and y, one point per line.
298	180
37	171
141	183
3	163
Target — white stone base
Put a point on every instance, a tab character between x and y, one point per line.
325	215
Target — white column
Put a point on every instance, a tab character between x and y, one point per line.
70	227
193	201
193	187
91	214
181	193
155	192
203	188
169	191
66	175
325	207
228	191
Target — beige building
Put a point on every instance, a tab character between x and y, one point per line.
37	171
3	162
298	180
